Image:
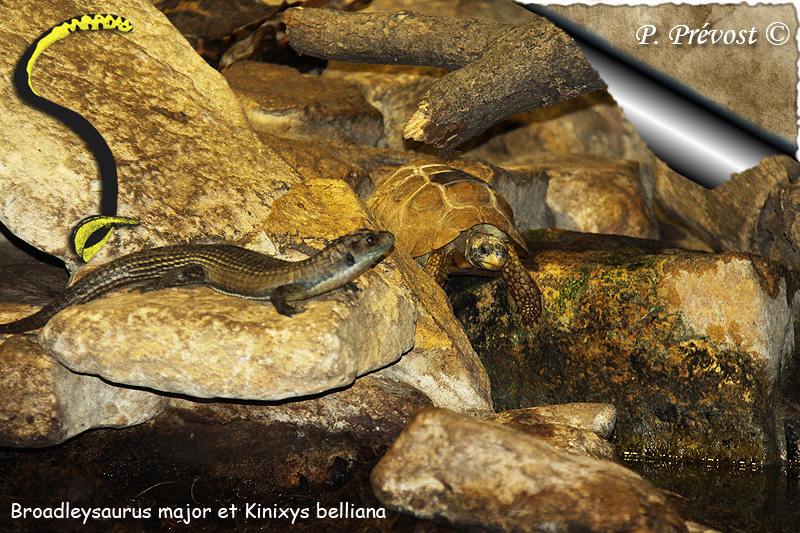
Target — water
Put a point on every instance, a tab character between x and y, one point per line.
741	497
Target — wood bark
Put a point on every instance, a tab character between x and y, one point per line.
756	211
500	69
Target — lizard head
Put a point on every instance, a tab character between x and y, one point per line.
358	251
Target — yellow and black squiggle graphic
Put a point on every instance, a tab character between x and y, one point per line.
91	233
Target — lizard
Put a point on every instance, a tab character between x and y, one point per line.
228	269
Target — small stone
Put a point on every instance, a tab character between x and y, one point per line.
473	472
599	418
562	436
45	404
279	100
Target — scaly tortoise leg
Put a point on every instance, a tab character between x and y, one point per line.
522	289
436	266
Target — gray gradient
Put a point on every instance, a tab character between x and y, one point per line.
692	140
693	135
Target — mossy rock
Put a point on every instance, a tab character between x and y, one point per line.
690	347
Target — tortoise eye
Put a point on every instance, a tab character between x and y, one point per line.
349	259
483	250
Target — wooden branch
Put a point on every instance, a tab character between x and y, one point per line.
756	211
503	69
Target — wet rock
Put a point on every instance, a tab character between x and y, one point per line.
473	472
167	116
201	343
281	101
689	347
46	404
562	436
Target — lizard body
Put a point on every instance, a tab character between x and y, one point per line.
228	269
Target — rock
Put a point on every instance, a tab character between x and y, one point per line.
572	192
289	440
168	117
690	348
281	101
599	418
395	90
497	10
31	283
219	346
473	472
562	436
45	404
591	195
442	364
592	124
214	454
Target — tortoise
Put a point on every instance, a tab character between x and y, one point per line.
446	218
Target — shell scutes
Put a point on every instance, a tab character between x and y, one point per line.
429	205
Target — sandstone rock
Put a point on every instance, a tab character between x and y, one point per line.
690	348
442	364
473	472
46	404
281	101
497	10
31	283
198	342
590	125
169	119
562	436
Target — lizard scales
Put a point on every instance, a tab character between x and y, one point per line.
228	269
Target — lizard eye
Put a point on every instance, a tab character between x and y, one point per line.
349	259
371	239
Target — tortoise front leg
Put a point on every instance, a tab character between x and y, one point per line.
436	266
523	290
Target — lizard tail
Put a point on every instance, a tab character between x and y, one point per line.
34	321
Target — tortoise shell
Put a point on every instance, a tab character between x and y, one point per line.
428	206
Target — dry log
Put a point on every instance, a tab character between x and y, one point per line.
756	211
502	69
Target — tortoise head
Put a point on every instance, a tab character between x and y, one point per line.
486	250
